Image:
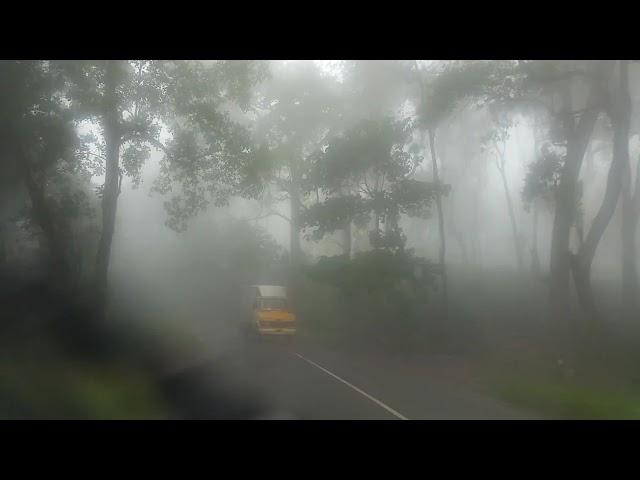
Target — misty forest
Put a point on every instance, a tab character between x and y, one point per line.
458	239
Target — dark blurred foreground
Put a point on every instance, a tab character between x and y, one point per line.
62	360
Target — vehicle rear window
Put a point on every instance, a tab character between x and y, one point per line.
273	303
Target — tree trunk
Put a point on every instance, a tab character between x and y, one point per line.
630	210
44	218
443	246
589	160
376	226
464	253
476	239
560	265
346	229
582	262
581	271
630	198
535	259
536	269
110	191
579	226
630	288
512	219
459	236
3	244
294	242
346	238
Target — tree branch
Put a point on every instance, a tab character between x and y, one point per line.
548	78
95	155
119	181
137	134
271	214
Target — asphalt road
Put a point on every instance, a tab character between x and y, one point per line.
308	380
315	383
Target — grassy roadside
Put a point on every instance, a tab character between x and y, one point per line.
567	399
496	328
55	389
584	385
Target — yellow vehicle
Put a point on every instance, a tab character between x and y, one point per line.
268	312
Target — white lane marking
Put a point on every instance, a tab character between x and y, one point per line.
373	399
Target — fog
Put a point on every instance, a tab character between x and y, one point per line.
457	239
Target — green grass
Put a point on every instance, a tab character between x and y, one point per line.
497	323
569	400
52	388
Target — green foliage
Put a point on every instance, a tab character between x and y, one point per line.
133	156
40	144
499	134
238	79
371	147
475	81
206	150
542	181
232	248
69	390
34	119
543	177
296	108
562	400
367	171
414	197
332	215
247	249
392	239
208	153
375	89
374	272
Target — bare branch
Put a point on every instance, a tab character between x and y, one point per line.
271	214
544	78
95	155
142	135
119	181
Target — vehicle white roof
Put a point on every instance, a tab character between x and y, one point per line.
271	291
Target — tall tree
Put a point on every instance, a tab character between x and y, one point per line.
460	138
374	162
601	92
444	88
496	143
581	89
39	142
298	107
132	101
537	126
630	195
432	113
